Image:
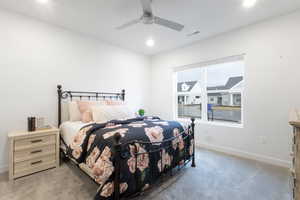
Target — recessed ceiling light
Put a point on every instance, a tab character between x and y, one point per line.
150	42
249	3
42	1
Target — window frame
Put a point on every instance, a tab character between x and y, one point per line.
204	93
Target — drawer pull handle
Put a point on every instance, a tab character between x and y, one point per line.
37	151
37	162
36	141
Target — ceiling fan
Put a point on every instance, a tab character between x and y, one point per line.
149	18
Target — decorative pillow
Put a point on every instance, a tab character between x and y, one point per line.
74	113
87	116
85	109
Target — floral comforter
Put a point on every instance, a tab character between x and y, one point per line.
93	145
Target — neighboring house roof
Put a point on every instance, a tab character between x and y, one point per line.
232	81
214	94
190	85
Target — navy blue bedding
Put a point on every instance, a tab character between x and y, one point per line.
93	145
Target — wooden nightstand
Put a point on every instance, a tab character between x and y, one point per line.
31	152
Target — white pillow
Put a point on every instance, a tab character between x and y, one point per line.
124	111
74	113
64	111
106	113
99	114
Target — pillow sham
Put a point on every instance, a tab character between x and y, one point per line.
99	114
106	113
124	111
74	113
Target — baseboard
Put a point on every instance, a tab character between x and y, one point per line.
243	154
227	150
3	168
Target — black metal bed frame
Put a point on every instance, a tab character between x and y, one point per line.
117	146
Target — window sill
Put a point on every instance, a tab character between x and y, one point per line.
213	123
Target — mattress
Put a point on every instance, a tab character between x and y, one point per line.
69	129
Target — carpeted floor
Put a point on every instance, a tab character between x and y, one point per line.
216	177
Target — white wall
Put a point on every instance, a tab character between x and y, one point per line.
271	86
35	57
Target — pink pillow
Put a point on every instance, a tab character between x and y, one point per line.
85	109
87	116
114	102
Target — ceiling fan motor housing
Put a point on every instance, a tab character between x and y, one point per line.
148	18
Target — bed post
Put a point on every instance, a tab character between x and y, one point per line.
193	136
59	92
117	165
123	95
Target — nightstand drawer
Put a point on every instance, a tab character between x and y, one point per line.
32	153
29	143
34	165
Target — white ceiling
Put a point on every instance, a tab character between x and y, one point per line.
100	17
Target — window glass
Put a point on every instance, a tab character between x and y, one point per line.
219	87
189	97
224	91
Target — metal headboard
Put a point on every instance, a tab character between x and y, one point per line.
96	96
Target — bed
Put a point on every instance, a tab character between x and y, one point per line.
125	156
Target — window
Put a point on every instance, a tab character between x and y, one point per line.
212	92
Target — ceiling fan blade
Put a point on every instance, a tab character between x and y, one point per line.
169	24
146	4
133	22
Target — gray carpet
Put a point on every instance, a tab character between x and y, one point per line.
216	177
